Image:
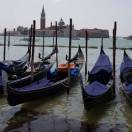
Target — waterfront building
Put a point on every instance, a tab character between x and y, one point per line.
63	29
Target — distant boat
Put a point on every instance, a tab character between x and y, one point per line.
129	37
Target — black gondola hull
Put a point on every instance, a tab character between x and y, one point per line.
16	96
24	80
90	101
99	87
128	95
126	77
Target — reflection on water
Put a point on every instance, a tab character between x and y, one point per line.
65	113
19	118
95	114
127	112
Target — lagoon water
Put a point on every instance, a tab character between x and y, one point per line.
66	113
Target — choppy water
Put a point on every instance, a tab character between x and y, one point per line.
65	113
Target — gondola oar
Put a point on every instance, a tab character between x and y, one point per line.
4	53
114	57
102	45
125	54
86	49
56	44
70	41
33	46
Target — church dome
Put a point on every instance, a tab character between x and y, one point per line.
61	23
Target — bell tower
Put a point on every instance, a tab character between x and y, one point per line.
42	19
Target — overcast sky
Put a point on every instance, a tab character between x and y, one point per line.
85	13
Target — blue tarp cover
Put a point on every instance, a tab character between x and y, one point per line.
95	89
4	66
103	63
41	84
74	72
128	88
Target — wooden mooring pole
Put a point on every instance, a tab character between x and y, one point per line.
43	44
86	50
114	57
30	43
70	42
33	50
56	43
4	53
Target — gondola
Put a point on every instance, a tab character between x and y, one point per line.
57	80
23	67
98	88
126	76
41	69
15	66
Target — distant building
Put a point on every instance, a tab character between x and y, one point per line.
61	23
94	33
42	19
63	29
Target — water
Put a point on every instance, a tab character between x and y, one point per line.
66	113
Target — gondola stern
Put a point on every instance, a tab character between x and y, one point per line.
102	51
125	54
